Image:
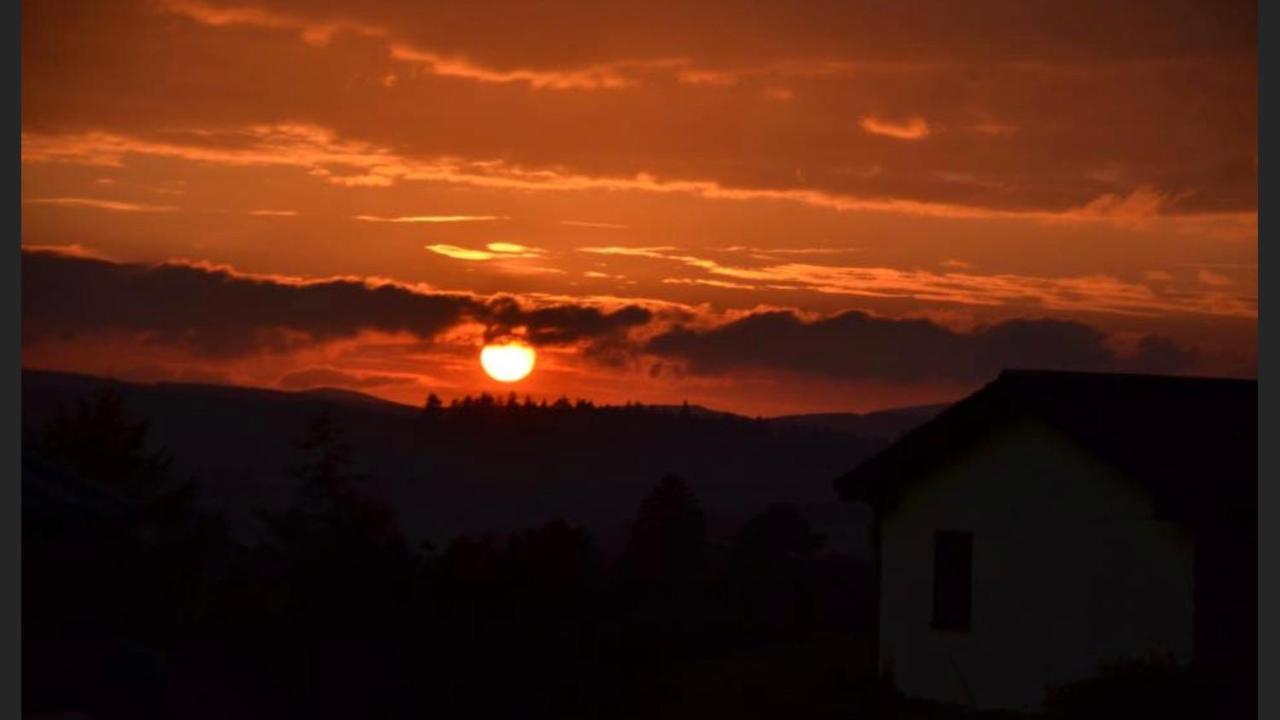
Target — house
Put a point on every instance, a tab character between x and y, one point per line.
1055	521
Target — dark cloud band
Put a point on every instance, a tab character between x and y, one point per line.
217	312
857	346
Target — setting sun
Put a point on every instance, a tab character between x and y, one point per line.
508	362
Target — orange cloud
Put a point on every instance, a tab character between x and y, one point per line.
914	128
320	33
766	251
511	248
709	283
461	253
353	163
100	204
314	33
993	128
1088	293
706	77
607	76
604	225
74	250
495	251
1208	277
1143	202
430	218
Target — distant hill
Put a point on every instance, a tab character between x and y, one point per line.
496	469
886	425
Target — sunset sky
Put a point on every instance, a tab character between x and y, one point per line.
764	207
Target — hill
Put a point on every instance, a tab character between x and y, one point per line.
490	468
886	425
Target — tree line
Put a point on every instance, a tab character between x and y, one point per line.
139	603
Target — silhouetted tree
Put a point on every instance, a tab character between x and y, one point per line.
97	442
337	578
685	412
549	565
433	408
773	581
330	503
669	536
779	536
111	584
467	575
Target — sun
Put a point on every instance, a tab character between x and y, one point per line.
508	362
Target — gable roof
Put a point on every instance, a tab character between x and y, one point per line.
1192	441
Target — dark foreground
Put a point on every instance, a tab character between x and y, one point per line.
139	604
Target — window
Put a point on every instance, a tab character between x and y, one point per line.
952	580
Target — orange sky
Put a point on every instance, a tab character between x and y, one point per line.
765	207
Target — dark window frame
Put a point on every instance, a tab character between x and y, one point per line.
952	581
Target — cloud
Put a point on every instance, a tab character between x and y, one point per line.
794	250
430	218
993	128
708	283
971	180
70	250
315	377
217	312
1208	277
606	76
858	346
513	249
604	225
100	204
352	163
1089	293
461	253
914	128
673	130
221	16
597	275
563	323
657	251
714	78
494	251
1143	202
274	213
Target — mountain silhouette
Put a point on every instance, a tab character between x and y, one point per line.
492	468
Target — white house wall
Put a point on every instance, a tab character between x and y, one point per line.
1069	569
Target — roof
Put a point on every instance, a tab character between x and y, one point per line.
1192	441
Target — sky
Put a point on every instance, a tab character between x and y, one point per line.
765	207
